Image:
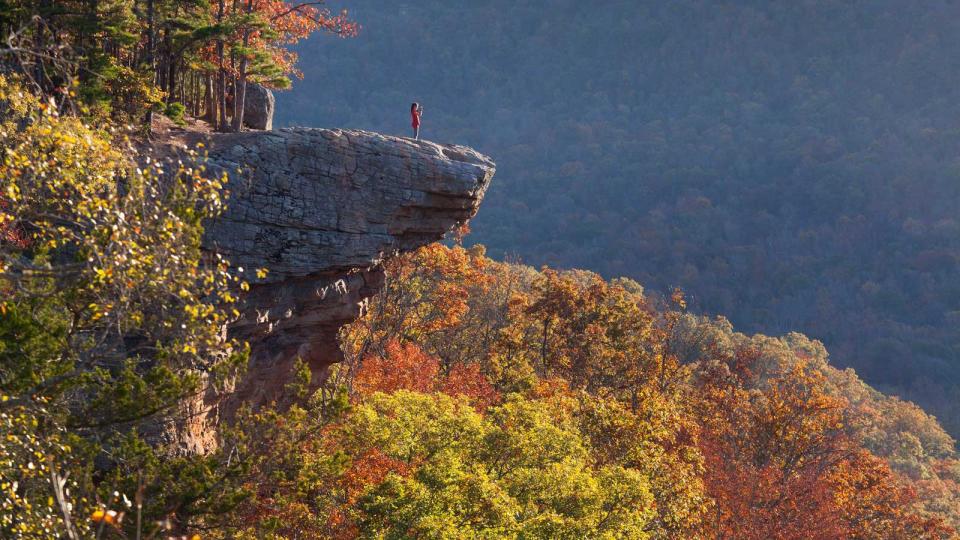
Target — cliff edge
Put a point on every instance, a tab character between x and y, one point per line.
321	209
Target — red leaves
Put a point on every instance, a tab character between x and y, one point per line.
406	367
403	367
371	468
762	502
467	380
10	233
780	463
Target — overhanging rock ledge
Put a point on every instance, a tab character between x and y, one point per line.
321	209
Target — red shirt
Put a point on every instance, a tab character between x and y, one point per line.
415	115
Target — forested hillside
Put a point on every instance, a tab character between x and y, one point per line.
465	396
791	165
492	400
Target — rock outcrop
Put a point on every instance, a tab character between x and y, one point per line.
258	107
321	209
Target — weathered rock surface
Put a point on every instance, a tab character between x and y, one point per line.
321	209
258	107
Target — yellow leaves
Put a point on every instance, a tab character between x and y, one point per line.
103	274
113	253
262	273
109	517
678	298
96	314
193	310
198	312
12	192
26	460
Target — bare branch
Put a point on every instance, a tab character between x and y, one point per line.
297	7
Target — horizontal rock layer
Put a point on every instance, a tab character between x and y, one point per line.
321	209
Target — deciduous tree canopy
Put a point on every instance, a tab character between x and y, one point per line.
558	405
791	165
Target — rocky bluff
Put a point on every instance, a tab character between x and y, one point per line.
321	209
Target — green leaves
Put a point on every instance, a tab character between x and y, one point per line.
112	316
521	471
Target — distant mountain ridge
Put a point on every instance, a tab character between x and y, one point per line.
790	165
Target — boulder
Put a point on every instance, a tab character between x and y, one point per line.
258	107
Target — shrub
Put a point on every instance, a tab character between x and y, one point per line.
175	111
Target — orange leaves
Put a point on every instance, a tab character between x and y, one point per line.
746	447
764	451
369	469
596	335
781	464
873	505
13	236
467	380
406	367
426	301
297	20
451	303
754	501
434	285
270	27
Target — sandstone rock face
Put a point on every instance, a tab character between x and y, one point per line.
258	106
321	210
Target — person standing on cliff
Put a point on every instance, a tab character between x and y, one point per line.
415	111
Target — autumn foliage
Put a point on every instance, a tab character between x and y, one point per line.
122	60
406	367
781	462
493	400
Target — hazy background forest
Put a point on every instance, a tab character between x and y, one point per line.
791	165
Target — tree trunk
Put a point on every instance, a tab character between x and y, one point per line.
88	40
221	92
171	79
194	95
171	69
241	96
148	118
39	74
221	75
211	101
